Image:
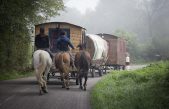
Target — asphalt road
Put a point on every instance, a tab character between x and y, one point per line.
24	94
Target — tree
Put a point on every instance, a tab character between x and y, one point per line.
150	8
155	15
132	45
17	17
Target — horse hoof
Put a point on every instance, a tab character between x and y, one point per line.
84	89
40	93
68	88
45	91
77	83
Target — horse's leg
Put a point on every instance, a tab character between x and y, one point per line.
43	81
80	79
44	89
77	76
62	79
67	80
39	81
42	75
85	82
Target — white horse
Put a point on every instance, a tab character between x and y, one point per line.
42	65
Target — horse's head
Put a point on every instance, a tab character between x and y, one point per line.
82	46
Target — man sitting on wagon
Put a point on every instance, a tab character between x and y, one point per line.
42	42
63	43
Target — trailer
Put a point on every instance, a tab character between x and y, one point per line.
116	52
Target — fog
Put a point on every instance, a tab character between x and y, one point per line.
109	15
147	19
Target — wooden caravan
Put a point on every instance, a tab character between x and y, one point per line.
52	29
117	50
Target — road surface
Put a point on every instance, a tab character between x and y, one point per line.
24	94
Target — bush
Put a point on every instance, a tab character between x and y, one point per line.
146	88
13	74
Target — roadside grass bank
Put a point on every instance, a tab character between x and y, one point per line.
7	75
146	88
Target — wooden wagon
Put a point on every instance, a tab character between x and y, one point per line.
116	52
74	32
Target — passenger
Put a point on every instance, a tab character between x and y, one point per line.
42	42
63	43
127	61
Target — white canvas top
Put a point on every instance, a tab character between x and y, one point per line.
101	47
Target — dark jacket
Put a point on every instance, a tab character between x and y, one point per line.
41	42
63	43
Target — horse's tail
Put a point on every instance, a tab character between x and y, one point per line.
85	62
65	66
42	63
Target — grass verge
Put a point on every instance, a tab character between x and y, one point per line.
7	75
147	88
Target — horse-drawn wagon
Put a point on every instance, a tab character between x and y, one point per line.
98	52
98	49
116	52
105	49
74	32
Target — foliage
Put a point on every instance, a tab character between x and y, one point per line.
133	47
146	88
161	47
17	19
155	17
15	74
151	29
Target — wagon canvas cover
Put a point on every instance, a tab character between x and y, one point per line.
96	46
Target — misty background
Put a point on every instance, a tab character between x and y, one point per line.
144	23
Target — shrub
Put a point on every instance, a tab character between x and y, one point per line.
146	88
